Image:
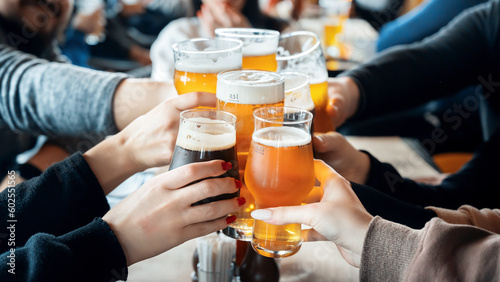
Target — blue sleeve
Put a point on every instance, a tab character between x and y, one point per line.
90	253
421	22
65	197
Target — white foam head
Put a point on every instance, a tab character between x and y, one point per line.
256	42
206	134
281	137
202	55
250	87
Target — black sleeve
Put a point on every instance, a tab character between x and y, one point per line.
90	253
476	183
65	197
465	52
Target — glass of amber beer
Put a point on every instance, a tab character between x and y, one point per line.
259	46
301	51
298	92
279	172
336	13
198	61
240	92
204	135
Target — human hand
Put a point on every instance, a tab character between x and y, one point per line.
343	99
338	153
159	215
150	139
218	14
339	216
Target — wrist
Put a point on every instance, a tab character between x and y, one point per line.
362	167
350	87
111	163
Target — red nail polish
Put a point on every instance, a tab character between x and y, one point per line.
238	183
230	219
241	201
227	166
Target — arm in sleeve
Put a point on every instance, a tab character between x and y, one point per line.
41	97
476	183
440	251
65	197
90	253
407	76
423	21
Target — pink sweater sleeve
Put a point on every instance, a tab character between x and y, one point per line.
439	252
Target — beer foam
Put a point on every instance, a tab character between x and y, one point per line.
250	87
206	134
280	137
206	65
256	42
252	49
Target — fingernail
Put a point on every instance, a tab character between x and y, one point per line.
230	219
227	166
238	183
262	214
241	201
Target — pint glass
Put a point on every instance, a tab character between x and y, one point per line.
240	93
336	12
198	61
279	172
204	135
298	92
259	46
301	52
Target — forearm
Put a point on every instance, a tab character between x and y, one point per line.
54	98
64	197
440	251
135	97
407	76
89	253
111	162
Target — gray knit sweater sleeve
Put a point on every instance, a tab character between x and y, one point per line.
41	97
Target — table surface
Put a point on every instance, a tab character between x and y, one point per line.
316	261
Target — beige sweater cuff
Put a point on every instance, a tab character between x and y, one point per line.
387	251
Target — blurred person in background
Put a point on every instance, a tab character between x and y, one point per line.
210	15
43	95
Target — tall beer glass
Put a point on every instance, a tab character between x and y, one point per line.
298	92
240	93
301	52
280	172
204	135
336	12
259	46
198	61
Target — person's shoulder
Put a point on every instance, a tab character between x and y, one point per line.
186	26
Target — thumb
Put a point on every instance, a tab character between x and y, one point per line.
327	142
286	215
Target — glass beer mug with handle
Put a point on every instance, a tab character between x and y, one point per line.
301	51
205	135
240	92
279	172
259	46
198	61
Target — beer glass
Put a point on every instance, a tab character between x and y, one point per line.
198	61
240	93
259	46
336	12
279	172
298	92
301	51
204	135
